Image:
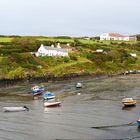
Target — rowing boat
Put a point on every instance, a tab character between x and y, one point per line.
15	109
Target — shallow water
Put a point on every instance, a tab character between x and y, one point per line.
99	104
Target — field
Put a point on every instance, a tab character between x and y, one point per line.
5	39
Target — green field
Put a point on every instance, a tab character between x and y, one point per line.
56	40
5	39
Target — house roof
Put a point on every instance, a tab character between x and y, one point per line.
116	35
56	49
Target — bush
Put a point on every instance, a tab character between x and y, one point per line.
66	59
17	73
73	57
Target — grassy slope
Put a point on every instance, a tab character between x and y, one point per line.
5	39
84	64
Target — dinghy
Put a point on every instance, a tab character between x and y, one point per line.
15	109
37	90
138	122
52	103
129	102
79	85
48	96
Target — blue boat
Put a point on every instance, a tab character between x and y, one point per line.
37	90
138	122
48	96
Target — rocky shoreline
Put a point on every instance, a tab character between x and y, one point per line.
48	78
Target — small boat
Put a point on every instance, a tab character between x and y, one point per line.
52	103
138	122
37	90
15	109
79	85
129	102
48	96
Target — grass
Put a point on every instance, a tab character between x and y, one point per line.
70	67
83	58
5	39
56	40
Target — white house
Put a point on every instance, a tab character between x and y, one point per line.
113	36
99	50
133	54
51	51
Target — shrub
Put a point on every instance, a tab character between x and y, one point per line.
66	59
73	57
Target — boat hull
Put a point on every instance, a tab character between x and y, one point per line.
14	109
129	103
37	93
138	122
78	85
52	104
37	90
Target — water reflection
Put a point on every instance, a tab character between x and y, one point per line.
46	109
138	128
128	108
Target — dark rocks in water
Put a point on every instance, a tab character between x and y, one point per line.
46	78
10	82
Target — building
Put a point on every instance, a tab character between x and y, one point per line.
132	38
114	36
99	50
133	54
51	51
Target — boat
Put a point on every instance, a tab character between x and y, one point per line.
79	85
15	109
129	102
52	103
48	96
138	122
37	90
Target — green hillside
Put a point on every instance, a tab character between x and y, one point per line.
16	60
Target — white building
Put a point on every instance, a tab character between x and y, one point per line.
99	50
133	54
51	51
113	36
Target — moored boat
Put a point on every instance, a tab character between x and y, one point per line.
129	102
79	85
48	96
52	103
15	109
138	122
37	90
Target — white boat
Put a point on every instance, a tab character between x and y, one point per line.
129	101
79	85
52	103
15	109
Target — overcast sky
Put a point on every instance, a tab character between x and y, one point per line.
69	17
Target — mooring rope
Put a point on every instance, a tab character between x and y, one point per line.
120	125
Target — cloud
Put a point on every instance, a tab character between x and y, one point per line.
74	17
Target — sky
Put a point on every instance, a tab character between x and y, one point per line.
69	17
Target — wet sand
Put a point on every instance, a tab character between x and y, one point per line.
99	104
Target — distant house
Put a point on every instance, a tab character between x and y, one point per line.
114	36
132	38
99	50
51	51
133	54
